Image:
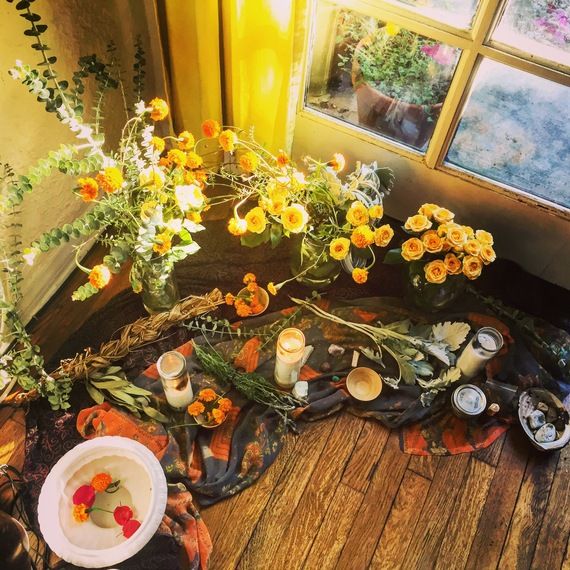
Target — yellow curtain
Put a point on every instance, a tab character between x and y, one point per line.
258	78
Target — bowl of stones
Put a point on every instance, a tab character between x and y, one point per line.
544	419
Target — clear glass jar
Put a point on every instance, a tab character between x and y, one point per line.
289	357
159	290
310	264
485	344
175	380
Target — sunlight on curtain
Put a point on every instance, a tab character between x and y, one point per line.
264	46
194	62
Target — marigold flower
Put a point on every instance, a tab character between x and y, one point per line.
211	128
228	140
207	395
337	162
282	159
484	237
162	244
487	254
272	288
196	408
164	162
130	527
110	179
194	160
99	276
357	214
242	309
417	223
412	249
237	226
101	481
80	513
360	275
391	29
88	189
294	218
158	109
225	405
249	161
452	264
435	271
383	235
177	157
428	209
253	287
362	236
376	211
339	248
122	514
229	299
219	416
249	278
472	267
256	220
85	495
186	140
432	242
158	144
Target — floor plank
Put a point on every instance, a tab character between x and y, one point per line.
491	454
464	519
401	523
424	465
363	538
334	530
431	527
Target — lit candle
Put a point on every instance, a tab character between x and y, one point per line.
289	357
482	347
175	380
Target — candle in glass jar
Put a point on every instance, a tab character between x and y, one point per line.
289	357
482	347
175	380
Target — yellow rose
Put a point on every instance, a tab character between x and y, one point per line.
417	223
428	209
432	242
472	247
443	229
276	206
452	264
383	235
294	218
472	267
469	231
362	236
442	215
357	214
256	220
339	248
412	249
484	237
237	226
151	178
376	212
189	196
488	254
435	271
457	237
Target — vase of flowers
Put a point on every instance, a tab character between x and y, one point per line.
442	255
159	290
310	263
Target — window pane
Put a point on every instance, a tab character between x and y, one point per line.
515	129
376	75
539	27
457	13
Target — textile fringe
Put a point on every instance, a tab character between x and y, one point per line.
133	336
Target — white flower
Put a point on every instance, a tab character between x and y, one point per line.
189	196
4	379
146	135
85	132
174	225
29	255
193	227
108	162
140	107
152	178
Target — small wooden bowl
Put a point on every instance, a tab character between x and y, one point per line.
364	384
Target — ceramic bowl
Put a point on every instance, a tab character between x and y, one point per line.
99	542
364	384
263	296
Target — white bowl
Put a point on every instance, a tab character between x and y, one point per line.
143	487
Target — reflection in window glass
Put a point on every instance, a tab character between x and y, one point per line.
539	27
515	129
457	13
379	76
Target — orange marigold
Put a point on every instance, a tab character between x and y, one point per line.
207	395
219	416
242	309
211	128
249	278
337	162
230	299
282	159
101	481
252	287
360	275
158	109
80	513
110	179
194	160
272	288
99	276
196	408
88	189
362	236
177	157
163	243
228	140
186	140
249	161
225	405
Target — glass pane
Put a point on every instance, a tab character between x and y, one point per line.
539	27
376	75
458	13
515	129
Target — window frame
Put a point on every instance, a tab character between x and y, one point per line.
475	44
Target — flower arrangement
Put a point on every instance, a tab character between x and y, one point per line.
84	498
444	248
252	299
210	409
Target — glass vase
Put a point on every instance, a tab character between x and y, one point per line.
159	289
311	264
431	297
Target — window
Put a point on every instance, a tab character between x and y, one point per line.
477	90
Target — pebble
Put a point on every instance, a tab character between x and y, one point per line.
542	407
325	367
536	419
336	350
545	434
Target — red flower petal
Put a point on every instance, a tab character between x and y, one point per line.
85	494
123	514
130	527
